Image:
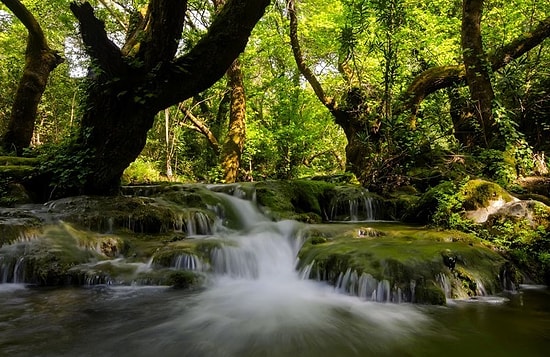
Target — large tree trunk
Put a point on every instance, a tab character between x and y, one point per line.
234	142
127	93
477	69
40	61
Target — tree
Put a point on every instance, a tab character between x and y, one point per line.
40	61
361	123
129	85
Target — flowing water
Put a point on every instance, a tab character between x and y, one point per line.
256	304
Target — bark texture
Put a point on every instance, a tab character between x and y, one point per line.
40	61
234	142
477	69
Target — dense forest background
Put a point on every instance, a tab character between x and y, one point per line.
396	92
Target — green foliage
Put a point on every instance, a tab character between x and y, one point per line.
64	166
442	206
139	172
527	242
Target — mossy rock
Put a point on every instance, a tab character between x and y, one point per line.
18	226
201	248
183	279
429	294
298	199
408	254
48	258
480	193
139	214
18	161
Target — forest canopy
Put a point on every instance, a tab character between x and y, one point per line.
395	92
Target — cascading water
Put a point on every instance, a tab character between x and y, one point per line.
258	304
354	206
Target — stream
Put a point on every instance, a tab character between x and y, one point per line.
148	321
255	303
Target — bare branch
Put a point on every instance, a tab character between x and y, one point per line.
201	128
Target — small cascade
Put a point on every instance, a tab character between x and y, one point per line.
445	284
237	213
92	279
109	272
14	260
480	288
198	223
269	249
353	205
507	279
364	286
12	270
247	193
189	262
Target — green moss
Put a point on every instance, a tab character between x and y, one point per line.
17	160
429	294
182	279
299	199
479	194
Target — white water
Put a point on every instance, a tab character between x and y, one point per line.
257	304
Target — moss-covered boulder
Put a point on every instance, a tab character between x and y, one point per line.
473	200
415	264
481	198
303	200
13	172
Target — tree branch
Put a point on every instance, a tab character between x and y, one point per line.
201	128
520	45
437	78
165	20
300	61
105	54
35	31
207	62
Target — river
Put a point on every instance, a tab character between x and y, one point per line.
156	321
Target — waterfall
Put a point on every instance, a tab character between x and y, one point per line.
445	284
356	206
193	222
364	286
188	262
256	297
12	269
13	262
